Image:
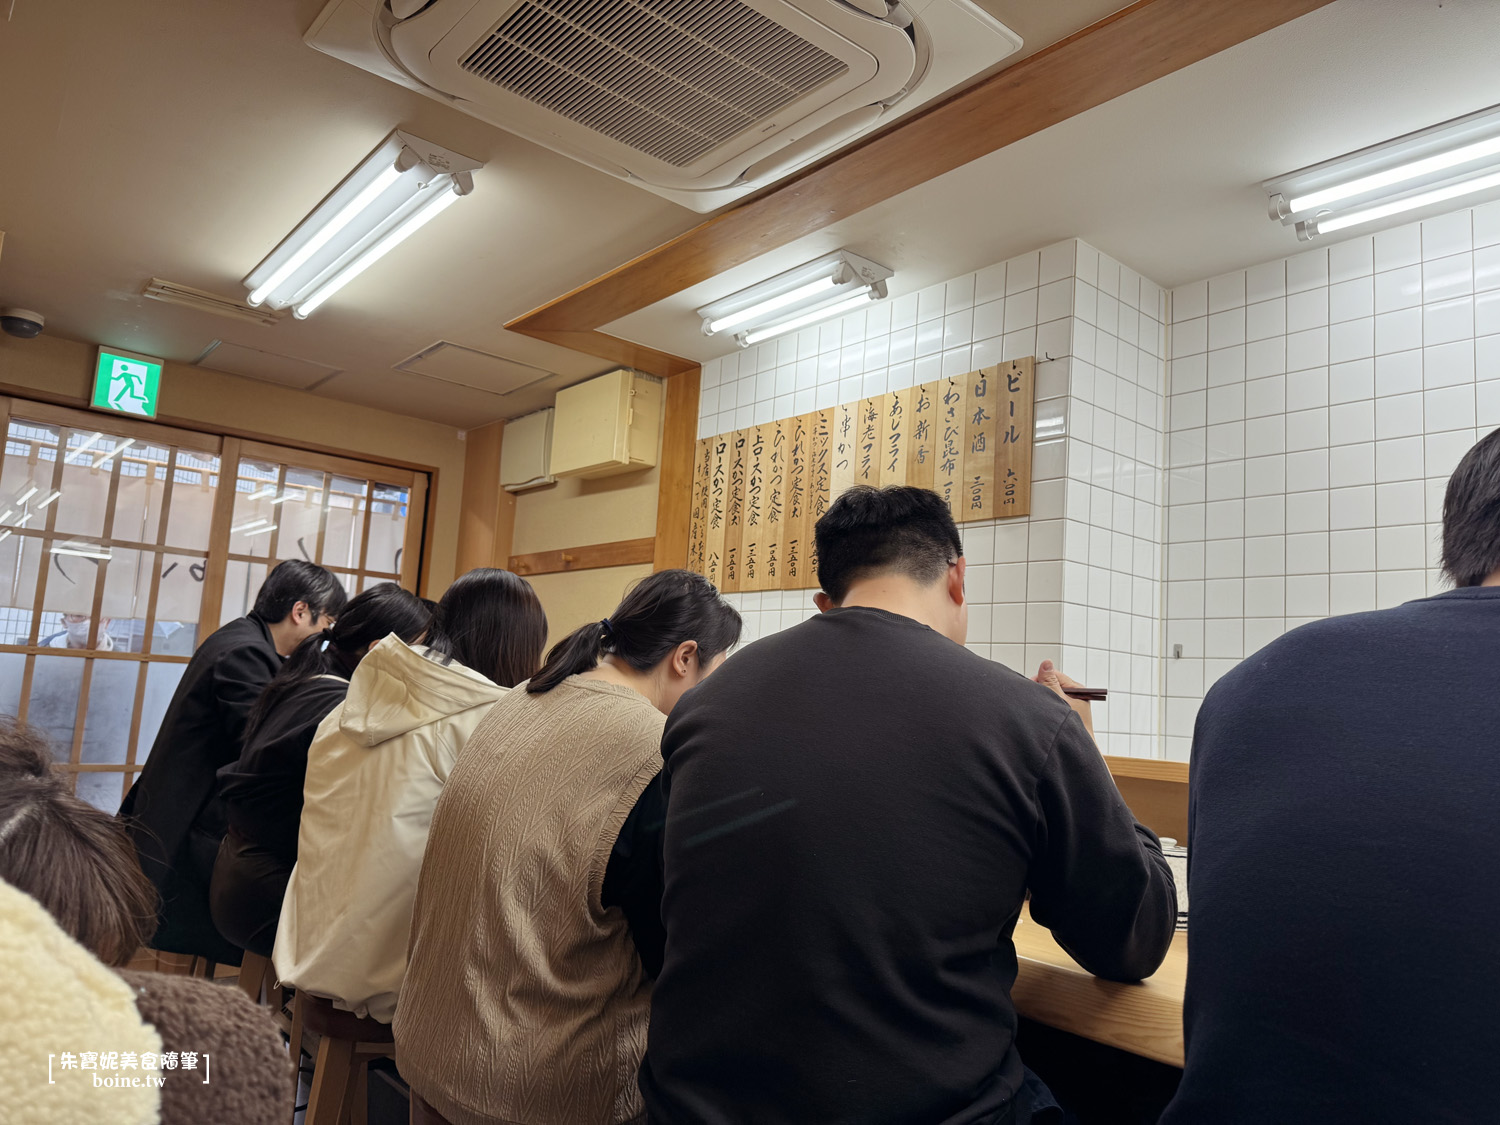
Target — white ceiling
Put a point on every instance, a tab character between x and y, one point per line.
182	139
1165	179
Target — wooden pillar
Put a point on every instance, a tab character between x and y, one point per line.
487	513
674	497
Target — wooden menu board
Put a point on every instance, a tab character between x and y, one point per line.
1016	427
717	510
703	467
734	511
753	543
820	488
759	492
775	559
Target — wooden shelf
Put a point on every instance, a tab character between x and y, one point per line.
1156	791
1144	1018
1153	769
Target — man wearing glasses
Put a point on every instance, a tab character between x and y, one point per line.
173	811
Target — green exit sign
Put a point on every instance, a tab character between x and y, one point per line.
126	383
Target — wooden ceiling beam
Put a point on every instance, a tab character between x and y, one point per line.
1135	46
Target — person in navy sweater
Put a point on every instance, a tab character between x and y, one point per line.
1344	857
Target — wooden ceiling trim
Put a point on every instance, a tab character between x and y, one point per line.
1135	46
624	352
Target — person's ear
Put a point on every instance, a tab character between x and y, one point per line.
824	602
685	658
956	580
302	614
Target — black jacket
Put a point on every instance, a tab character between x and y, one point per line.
172	810
856	808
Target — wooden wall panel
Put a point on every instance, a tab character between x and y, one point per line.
675	475
487	513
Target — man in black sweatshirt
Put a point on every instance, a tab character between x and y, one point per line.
1345	867
856	808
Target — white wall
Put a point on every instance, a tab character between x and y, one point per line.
1078	581
1318	404
1287	463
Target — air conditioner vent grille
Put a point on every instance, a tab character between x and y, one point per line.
672	79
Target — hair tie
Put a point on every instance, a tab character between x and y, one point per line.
608	626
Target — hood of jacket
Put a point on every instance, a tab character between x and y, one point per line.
398	688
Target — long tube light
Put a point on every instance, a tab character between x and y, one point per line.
433	206
28	494
848	305
1420	170
1412	203
1400	174
321	237
51	496
369	212
803	295
772	304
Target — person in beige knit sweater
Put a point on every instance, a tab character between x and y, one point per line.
537	924
63	858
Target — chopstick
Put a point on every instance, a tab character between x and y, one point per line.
1089	694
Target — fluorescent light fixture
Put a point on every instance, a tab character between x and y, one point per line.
1411	203
270	527
82	550
285	496
781	328
31	491
7	514
825	287
771	304
372	210
1420	170
269	490
432	206
116	451
248	526
4	535
51	496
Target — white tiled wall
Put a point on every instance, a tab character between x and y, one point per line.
1079	580
1296	468
1113	528
1317	406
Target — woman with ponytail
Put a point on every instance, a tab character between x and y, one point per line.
262	791
537	924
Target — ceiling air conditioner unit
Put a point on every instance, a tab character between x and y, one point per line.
700	101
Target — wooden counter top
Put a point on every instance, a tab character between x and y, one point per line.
1144	1019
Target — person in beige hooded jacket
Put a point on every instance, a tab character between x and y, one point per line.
374	772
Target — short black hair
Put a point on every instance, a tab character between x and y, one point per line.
296	581
868	530
1471	515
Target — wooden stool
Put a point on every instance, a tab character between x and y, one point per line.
340	1081
258	978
